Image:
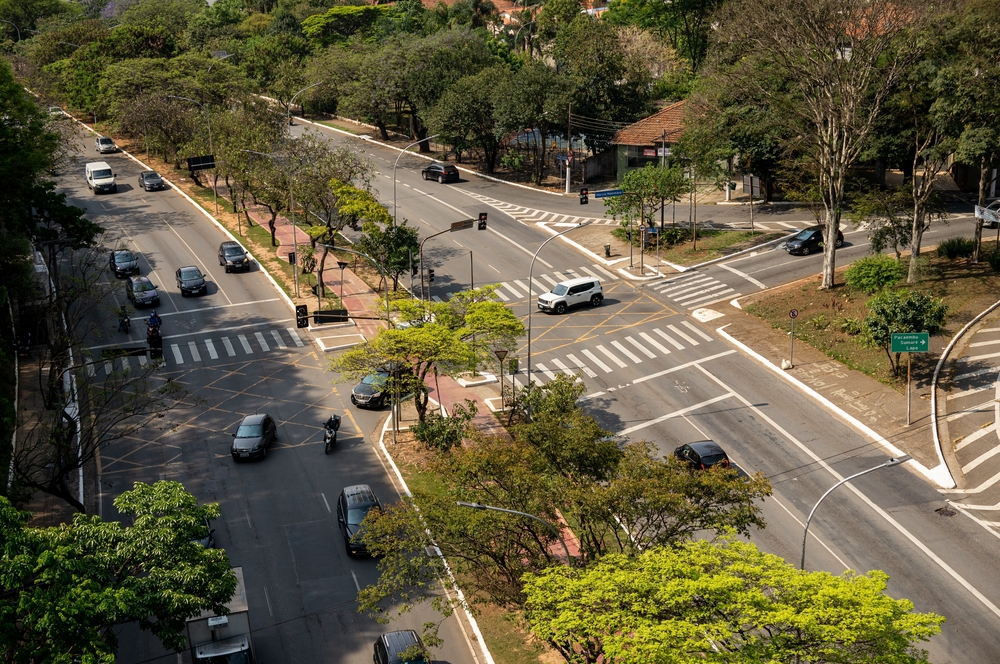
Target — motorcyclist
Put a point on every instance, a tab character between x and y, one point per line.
123	319
154	321
333	423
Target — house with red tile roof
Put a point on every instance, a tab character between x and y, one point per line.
649	139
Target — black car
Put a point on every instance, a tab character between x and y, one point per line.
703	454
353	506
370	392
190	280
123	263
253	436
150	180
233	256
809	240
206	535
141	291
390	647
440	172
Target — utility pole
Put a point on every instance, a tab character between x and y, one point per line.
569	146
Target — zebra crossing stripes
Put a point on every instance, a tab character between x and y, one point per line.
517	289
583	367
694	290
229	347
593	358
262	341
210	347
193	349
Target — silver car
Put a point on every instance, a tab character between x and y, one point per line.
104	144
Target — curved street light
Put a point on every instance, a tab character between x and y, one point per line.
805	530
478	506
17	29
227	55
288	111
208	121
394	172
518	33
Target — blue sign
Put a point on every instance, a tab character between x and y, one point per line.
608	193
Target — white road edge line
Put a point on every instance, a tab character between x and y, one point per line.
744	275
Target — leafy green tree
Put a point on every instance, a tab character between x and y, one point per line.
25	14
465	115
872	274
65	589
372	86
721	601
687	23
273	60
885	214
444	433
391	246
900	311
172	16
557	15
340	23
646	191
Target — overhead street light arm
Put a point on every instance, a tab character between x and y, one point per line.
401	152
478	506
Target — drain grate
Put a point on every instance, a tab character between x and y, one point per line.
946	511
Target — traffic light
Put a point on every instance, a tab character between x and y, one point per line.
414	267
583	197
430	275
301	316
482	221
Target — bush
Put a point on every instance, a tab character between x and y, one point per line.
900	311
956	247
445	433
672	236
993	258
848	325
873	274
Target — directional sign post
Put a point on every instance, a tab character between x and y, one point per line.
608	193
793	314
909	343
462	225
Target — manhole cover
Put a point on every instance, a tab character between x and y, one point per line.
946	511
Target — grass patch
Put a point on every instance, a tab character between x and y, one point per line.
342	127
713	244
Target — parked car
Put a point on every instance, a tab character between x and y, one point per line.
440	172
570	293
233	256
205	536
140	291
353	506
56	112
150	180
254	434
104	144
810	240
190	281
702	454
389	648
369	393
123	263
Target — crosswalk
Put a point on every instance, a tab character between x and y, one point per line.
605	357
517	289
694	290
194	351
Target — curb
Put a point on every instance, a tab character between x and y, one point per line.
939	475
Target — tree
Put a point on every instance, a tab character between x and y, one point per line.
686	22
839	60
64	589
465	115
647	190
372	83
885	213
391	247
556	15
721	602
900	311
341	22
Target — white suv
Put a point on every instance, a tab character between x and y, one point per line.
571	293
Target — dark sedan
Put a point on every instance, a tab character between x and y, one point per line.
123	263
353	505
190	281
141	291
370	392
810	240
440	172
253	436
150	180
702	454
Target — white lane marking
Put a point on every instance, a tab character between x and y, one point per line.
562	277
210	347
218	306
654	343
358	587
229	347
635	342
610	275
448	296
109	368
687	287
699	294
266	597
959	395
525	288
683	284
589	272
683	336
593	358
562	367
436	298
676	413
681	366
549	279
979	460
277	339
246	345
295	336
262	341
551	376
326	503
501	295
204	267
973	374
178	358
972	358
611	356
583	367
976	435
979	489
742	274
626	352
696	330
201	332
669	339
142	360
516	293
978	408
193	348
813	533
985	343
724	295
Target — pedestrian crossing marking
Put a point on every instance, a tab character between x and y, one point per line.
611	356
502	296
625	351
685	286
554	282
673	342
516	293
714	297
193	349
610	275
673	328
524	286
261	341
654	343
562	277
589	273
295	337
699	294
545	370
178	358
229	347
562	367
278	340
109	368
142	360
642	349
246	344
696	330
210	347
593	358
587	370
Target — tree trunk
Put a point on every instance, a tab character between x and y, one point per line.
319	274
380	125
540	157
271	226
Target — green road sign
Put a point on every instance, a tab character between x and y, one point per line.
910	342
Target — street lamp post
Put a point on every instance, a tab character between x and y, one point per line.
401	153
805	530
501	354
208	121
531	267
291	201
342	265
518	33
227	55
422	261
288	112
478	506
17	29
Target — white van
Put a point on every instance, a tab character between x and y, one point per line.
100	178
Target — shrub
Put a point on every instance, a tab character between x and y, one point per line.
873	274
851	326
956	247
993	258
901	311
445	433
672	236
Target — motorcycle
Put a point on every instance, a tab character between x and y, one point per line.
330	433
124	324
